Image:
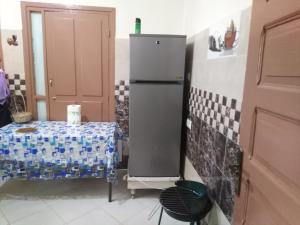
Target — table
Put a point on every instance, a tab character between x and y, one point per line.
57	150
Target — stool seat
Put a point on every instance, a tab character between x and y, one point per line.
184	203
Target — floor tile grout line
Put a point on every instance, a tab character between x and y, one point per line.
146	208
101	206
157	201
81	215
28	215
64	222
5	218
77	217
106	211
10	223
97	207
46	205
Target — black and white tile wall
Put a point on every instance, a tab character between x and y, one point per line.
122	104
17	85
212	144
220	112
17	88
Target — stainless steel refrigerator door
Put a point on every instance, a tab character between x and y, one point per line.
157	58
155	112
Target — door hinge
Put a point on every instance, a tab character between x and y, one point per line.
108	33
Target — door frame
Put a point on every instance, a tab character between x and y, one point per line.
26	9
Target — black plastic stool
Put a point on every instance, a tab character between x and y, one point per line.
187	202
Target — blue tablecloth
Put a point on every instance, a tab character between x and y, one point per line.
58	150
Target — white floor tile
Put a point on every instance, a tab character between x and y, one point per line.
77	202
145	218
124	209
70	209
43	217
3	221
149	198
167	220
95	217
17	209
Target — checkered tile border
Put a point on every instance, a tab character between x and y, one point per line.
17	85
222	113
121	89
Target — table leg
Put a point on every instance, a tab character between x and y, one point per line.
161	212
109	191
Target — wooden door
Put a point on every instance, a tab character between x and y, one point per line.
77	45
91	35
60	40
270	129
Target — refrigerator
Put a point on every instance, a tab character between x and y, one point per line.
155	104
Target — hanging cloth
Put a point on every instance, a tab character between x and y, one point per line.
4	90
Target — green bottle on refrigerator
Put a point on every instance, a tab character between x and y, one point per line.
137	25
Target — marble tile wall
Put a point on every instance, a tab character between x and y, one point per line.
215	155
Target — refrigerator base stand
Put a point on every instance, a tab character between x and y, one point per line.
134	183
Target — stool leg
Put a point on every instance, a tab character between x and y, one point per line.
161	212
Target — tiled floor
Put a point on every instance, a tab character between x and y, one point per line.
76	202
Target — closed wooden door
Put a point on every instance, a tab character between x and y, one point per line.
270	129
92	65
77	46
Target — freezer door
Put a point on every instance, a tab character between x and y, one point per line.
157	58
155	112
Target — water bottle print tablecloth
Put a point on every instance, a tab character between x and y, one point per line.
58	150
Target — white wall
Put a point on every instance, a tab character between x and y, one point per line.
158	16
200	14
224	75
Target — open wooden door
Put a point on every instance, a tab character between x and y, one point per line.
270	129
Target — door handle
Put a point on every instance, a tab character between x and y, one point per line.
51	82
54	98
